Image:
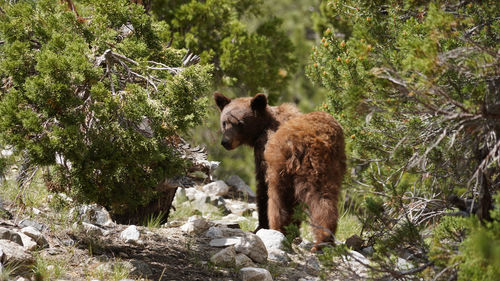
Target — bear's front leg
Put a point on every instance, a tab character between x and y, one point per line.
262	203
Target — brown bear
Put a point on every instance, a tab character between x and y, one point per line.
299	159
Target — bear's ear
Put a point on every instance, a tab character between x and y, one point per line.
221	100
259	102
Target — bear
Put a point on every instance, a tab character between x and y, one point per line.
299	159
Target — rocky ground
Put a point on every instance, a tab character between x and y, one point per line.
207	238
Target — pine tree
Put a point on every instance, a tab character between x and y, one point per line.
416	87
99	99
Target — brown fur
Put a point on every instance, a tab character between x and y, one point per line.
299	158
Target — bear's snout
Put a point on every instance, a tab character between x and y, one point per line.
226	144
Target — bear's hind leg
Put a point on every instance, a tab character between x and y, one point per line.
324	215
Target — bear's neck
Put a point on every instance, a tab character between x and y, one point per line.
272	119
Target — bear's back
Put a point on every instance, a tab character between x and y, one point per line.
308	144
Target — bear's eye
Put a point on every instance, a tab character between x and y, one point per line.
224	123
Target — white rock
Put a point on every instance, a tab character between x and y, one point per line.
15	254
28	243
36	235
195	224
94	229
10	235
130	234
242	260
255	274
234	218
255	215
225	256
224	242
239	208
216	188
240	185
180	196
194	194
278	256
403	264
214	232
252	246
273	239
93	214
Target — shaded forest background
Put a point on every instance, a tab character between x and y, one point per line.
98	95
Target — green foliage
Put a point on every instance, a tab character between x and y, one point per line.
246	60
480	252
92	93
409	83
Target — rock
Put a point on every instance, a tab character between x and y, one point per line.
130	234
195	224
403	264
255	274
233	218
174	223
28	243
273	239
214	232
225	256
180	196
216	188
14	253
224	242
10	235
227	224
368	251
240	208
306	244
358	257
36	235
354	242
38	226
94	229
93	214
240	185
278	256
194	194
252	246
313	263
242	260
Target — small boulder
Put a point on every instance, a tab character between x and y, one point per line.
224	242
28	243
130	234
93	229
239	208
216	188
14	253
93	214
225	256
273	239
278	256
10	235
38	226
240	185
195	224
255	274
35	235
242	260
252	246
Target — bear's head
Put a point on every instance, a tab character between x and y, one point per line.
242	120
